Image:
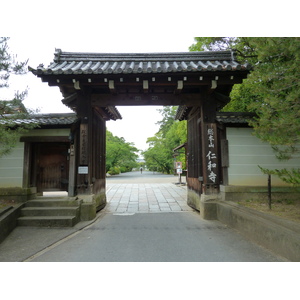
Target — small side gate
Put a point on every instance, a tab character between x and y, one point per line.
52	167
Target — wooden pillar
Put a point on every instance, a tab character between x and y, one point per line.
83	150
210	147
91	177
72	171
83	161
27	165
97	143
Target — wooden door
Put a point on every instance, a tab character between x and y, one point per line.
52	167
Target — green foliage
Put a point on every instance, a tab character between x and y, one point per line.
168	113
114	171
120	155
277	80
212	43
10	130
8	63
289	176
159	156
242	97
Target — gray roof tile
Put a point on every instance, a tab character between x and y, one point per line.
226	118
107	63
43	119
235	117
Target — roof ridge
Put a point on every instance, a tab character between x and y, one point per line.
60	56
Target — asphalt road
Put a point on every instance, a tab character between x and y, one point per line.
154	237
157	237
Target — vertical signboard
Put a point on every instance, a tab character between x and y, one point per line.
83	158
211	153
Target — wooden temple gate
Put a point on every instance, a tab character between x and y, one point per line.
92	84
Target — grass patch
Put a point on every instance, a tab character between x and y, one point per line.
284	208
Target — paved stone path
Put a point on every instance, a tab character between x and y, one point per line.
146	198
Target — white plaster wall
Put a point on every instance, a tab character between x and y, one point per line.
11	167
246	152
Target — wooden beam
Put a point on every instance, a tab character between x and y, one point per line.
45	139
160	79
104	100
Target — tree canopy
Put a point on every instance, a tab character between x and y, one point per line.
160	156
271	90
121	156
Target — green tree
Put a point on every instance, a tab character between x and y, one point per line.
159	156
271	90
277	81
12	109
168	113
120	155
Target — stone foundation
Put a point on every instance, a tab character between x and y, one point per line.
205	204
18	194
90	205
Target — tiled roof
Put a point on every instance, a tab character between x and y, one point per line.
227	118
103	63
234	118
44	119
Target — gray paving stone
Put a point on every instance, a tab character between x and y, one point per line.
146	198
176	208
165	209
164	205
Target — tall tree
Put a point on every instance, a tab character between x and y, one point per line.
11	109
159	156
168	113
120	155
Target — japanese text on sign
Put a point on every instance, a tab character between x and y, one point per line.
83	144
211	156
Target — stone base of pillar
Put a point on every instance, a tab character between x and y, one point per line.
100	200
91	204
205	204
208	206
193	199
